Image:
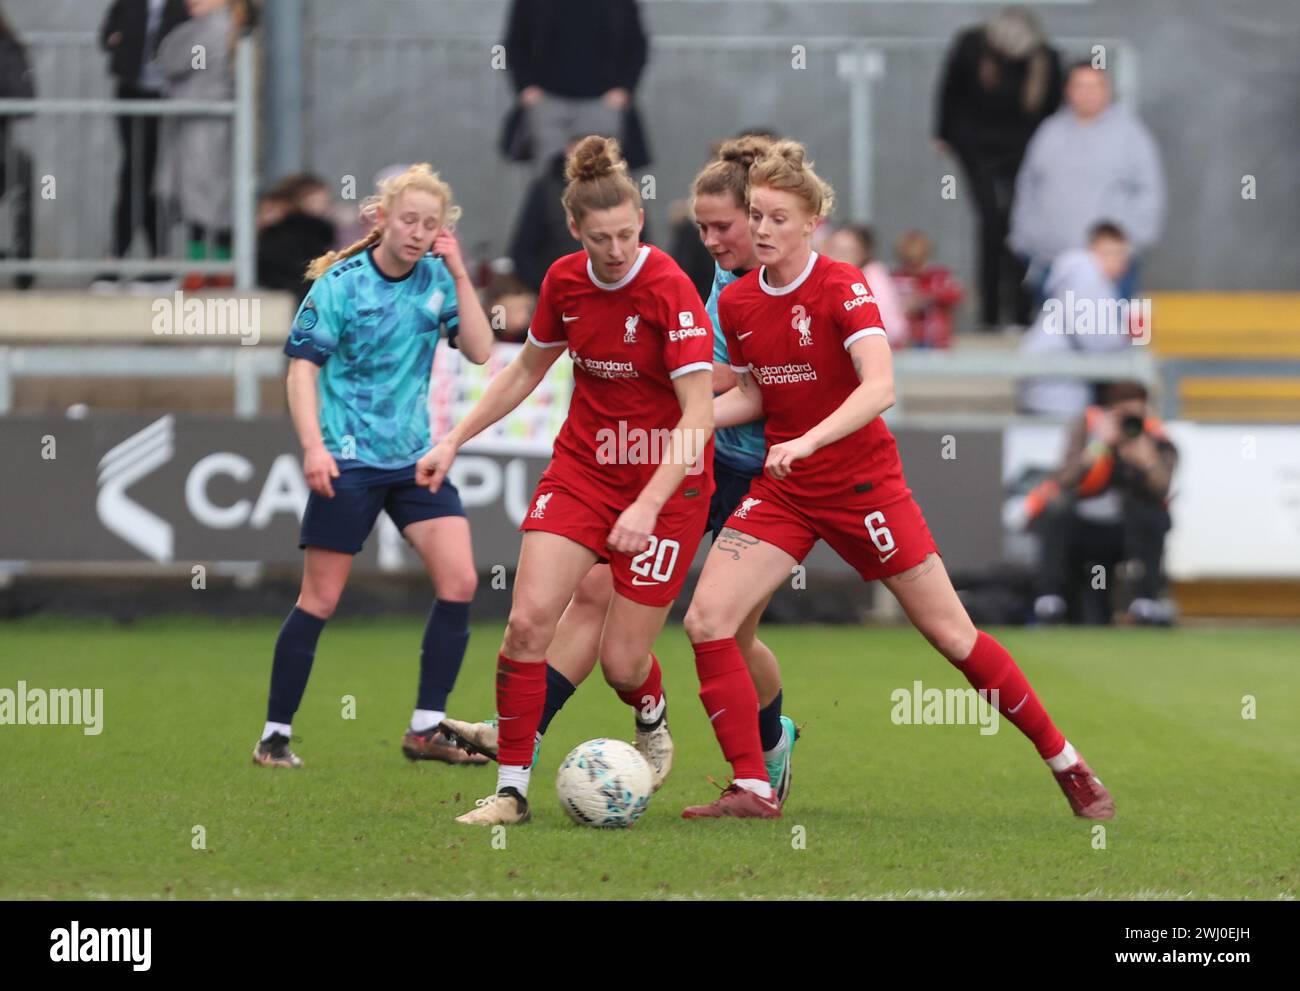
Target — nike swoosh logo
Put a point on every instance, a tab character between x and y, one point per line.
717	714
1012	712
638	581
299	343
741	337
502	719
567	319
886	557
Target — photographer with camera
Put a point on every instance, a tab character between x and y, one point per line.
1107	506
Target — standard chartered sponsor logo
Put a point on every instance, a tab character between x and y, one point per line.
600	368
784	374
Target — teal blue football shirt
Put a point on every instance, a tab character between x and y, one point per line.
374	337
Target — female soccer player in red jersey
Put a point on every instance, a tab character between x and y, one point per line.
805	339
720	197
631	475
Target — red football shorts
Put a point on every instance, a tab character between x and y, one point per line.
653	577
877	539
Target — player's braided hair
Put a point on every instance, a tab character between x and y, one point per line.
786	166
728	173
597	178
420	177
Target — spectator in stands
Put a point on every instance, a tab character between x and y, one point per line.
576	64
1080	314
509	305
856	244
541	233
130	34
930	292
16	83
194	171
1107	506
1090	161
1000	80
301	232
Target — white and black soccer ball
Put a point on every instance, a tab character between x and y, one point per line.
604	783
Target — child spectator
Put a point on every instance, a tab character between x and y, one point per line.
930	292
856	244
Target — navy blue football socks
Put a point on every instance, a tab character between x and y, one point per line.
769	724
558	690
442	650
295	649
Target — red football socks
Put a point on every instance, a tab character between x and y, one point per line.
988	668
521	696
648	700
731	703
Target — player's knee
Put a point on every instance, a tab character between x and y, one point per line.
320	603
528	632
620	671
705	621
458	588
953	640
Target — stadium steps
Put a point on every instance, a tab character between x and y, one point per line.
1226	325
1263	400
1246	598
1230	328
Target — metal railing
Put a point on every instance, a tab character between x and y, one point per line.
241	113
247	366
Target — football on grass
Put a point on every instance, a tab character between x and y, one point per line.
604	783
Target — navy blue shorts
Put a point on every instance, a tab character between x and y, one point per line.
731	486
343	523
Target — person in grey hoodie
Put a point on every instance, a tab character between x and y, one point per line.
1090	161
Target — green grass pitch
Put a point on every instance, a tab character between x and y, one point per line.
1207	800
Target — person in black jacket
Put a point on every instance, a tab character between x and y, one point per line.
575	65
1000	81
541	233
298	230
130	34
16	83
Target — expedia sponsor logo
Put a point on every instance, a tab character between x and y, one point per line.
862	300
689	332
784	374
602	369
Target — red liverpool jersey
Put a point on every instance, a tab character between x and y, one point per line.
794	341
628	341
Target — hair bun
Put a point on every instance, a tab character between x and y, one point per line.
792	151
594	158
744	150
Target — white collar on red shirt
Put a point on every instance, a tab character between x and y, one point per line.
641	256
792	286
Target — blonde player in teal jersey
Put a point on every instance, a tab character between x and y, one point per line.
720	203
361	349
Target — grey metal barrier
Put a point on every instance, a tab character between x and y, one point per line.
73	242
248	365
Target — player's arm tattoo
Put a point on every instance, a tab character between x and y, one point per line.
734	542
